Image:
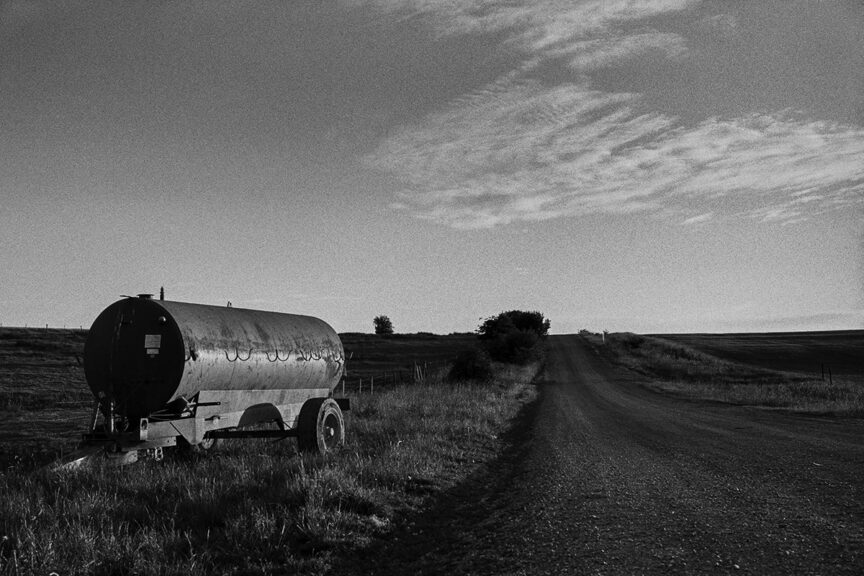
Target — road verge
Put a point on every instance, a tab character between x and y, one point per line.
680	369
256	507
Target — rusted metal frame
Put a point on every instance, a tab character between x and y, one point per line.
128	442
290	433
190	410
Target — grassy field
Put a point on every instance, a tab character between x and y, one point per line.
804	352
392	359
44	399
45	403
251	507
771	370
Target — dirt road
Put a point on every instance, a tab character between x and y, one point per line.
603	476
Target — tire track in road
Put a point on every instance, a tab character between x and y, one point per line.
604	476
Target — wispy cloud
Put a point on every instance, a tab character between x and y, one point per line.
529	152
526	149
700	219
536	24
587	55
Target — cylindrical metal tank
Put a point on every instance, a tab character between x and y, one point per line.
144	353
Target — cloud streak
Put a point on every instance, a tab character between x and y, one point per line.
524	152
536	25
526	149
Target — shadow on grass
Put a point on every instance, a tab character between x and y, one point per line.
453	531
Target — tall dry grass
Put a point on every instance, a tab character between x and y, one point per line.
256	507
679	368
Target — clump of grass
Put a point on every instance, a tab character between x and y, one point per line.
682	369
256	507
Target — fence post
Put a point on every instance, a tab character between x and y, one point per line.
372	385
830	379
361	386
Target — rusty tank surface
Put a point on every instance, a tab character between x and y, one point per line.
165	371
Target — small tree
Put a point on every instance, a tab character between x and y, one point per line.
514	320
383	325
514	336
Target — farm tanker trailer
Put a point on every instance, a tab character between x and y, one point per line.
167	373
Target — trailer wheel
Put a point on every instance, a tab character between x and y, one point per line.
321	426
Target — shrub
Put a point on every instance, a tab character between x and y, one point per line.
471	364
514	336
514	320
516	347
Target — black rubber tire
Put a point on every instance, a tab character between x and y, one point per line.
320	427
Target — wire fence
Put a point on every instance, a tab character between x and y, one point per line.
365	382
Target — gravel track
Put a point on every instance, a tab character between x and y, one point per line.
603	476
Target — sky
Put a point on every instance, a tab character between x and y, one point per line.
646	166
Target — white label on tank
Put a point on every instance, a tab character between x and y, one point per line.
152	351
152	341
